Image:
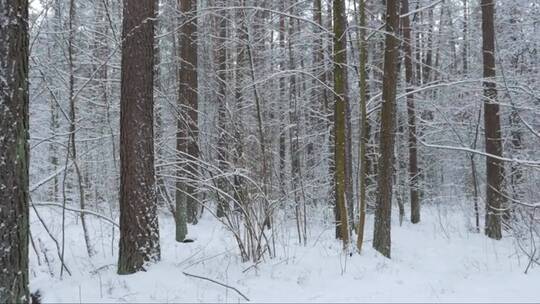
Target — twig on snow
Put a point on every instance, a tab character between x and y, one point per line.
219	283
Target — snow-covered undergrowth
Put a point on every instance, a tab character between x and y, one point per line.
438	260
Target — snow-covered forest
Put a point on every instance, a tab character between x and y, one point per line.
269	151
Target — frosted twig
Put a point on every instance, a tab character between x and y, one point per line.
219	283
84	211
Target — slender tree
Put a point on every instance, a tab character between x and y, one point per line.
282	105
340	113
139	231
411	113
381	234
362	158
14	151
72	147
319	59
492	125
223	139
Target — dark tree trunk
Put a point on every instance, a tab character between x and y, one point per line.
187	143
409	78
139	231
363	121
14	152
492	125
381	234
340	119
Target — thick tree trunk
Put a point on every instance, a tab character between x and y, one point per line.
340	119
383	211
492	125
14	151
139	231
187	143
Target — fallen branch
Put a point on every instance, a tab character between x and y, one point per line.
219	283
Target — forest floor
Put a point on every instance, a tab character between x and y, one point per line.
439	260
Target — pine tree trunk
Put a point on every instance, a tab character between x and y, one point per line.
383	211
492	125
139	231
180	214
14	151
340	118
188	99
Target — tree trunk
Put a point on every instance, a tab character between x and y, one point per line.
492	125
72	125
223	140
464	50
187	143
409	78
318	61
362	159
340	117
282	105
14	151
139	231
381	234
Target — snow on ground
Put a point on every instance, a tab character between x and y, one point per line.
438	260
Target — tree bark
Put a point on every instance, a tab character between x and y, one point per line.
139	231
411	113
14	151
340	117
187	144
362	157
383	211
492	125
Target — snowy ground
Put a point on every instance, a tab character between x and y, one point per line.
439	260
